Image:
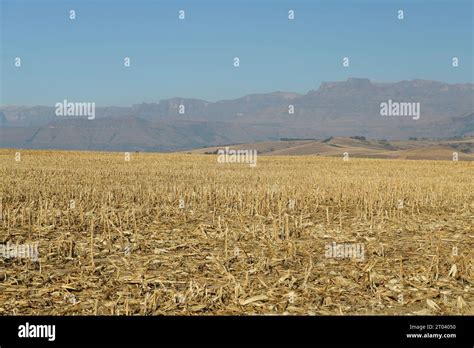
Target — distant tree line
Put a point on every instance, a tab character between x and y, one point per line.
296	139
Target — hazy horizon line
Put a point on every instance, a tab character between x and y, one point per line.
372	81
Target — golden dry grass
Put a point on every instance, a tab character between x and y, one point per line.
127	246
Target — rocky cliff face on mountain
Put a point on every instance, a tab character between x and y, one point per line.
346	108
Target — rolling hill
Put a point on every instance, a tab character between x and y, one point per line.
359	147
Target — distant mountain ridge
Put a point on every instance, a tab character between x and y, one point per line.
343	108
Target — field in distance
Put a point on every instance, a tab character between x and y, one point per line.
359	147
181	234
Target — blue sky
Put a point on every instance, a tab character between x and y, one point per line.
82	59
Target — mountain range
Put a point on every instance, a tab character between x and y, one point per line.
344	109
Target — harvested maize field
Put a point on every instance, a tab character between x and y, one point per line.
182	234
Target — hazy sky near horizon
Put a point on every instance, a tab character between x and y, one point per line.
83	59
